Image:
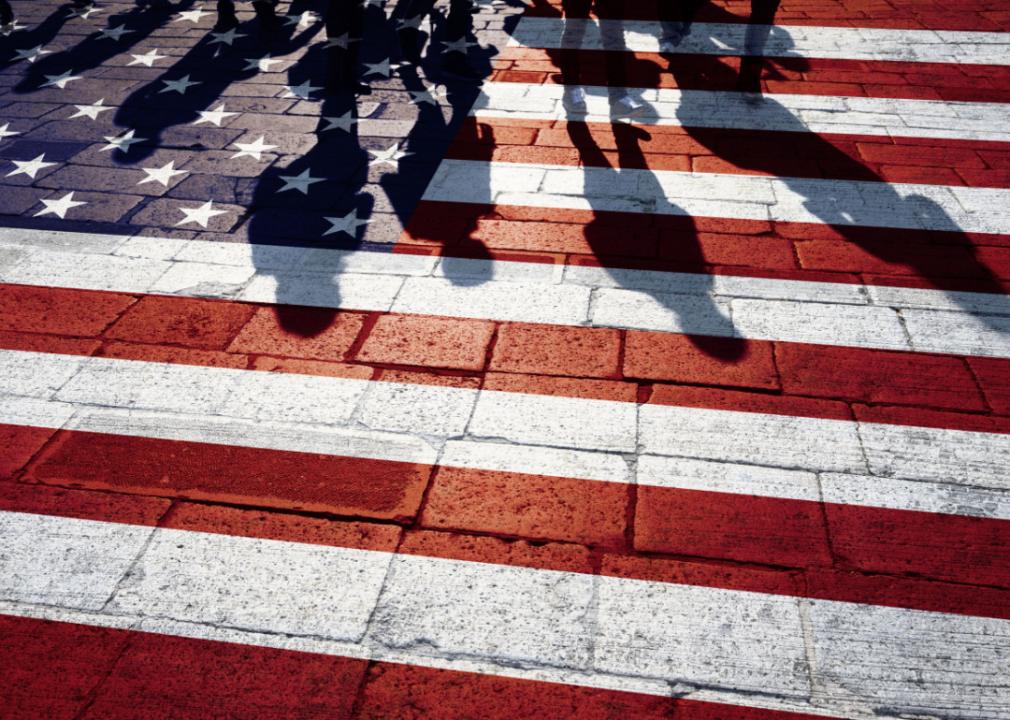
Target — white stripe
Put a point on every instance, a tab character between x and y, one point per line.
722	305
875	44
781	112
743	197
558	436
432	610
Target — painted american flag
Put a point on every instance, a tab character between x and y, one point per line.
607	360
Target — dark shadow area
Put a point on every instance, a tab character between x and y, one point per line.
94	50
150	111
41	34
698	315
803	159
623	178
354	171
343	171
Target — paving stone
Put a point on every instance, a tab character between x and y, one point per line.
427	342
181	321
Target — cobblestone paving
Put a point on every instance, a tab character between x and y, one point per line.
465	400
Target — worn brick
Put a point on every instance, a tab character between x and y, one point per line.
428	342
190	322
59	311
679	358
557	350
313	333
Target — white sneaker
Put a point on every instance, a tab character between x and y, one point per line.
574	100
627	107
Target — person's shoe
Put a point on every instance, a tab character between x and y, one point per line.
627	107
574	100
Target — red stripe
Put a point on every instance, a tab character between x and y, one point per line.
990	15
819	381
865	158
64	670
297	481
787	75
694	537
947	260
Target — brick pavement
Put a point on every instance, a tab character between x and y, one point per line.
470	433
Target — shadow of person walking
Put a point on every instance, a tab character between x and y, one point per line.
356	172
837	189
329	179
35	37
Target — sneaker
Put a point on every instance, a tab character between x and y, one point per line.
627	107
574	100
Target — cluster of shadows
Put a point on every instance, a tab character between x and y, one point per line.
850	215
361	33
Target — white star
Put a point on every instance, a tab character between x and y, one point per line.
30	167
163	175
302	91
11	27
59	207
31	54
5	132
430	95
121	142
226	37
213	116
261	63
201	214
180	86
254	150
349	224
192	16
379	68
114	33
413	23
60	81
299	182
459	46
344	122
83	12
389	156
90	111
147	59
304	20
373	3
